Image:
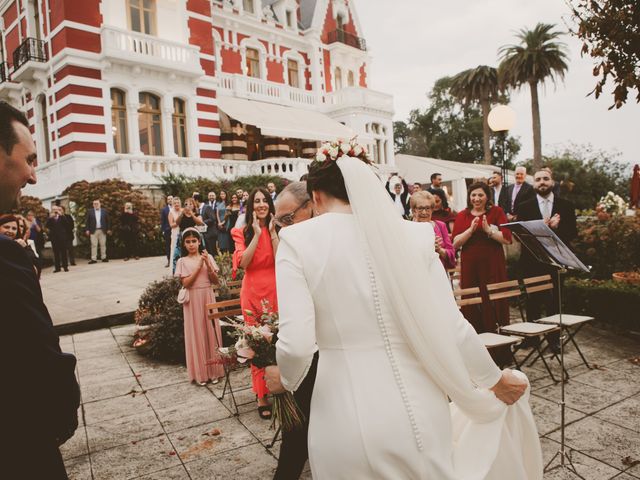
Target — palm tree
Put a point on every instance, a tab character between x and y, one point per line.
537	57
481	85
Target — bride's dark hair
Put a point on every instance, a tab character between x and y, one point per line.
325	176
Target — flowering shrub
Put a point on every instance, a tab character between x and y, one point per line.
613	204
113	194
609	246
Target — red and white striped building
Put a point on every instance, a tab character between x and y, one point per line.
138	88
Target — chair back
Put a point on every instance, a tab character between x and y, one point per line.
223	309
538	284
454	275
502	290
467	296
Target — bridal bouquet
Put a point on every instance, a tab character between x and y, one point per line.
256	344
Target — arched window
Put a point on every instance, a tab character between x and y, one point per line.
292	71
150	124
179	119
253	63
119	121
44	125
351	79
337	78
142	16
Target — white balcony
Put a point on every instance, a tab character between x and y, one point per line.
357	97
133	48
257	89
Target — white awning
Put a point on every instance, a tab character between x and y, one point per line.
286	122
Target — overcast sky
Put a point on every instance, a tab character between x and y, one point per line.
415	42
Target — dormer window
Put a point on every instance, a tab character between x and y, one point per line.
142	16
248	6
340	22
289	18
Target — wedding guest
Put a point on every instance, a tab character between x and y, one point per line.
293	206
189	216
173	216
224	237
256	245
422	204
197	271
130	231
519	192
417	187
243	203
40	399
9	226
233	212
482	260
400	195
210	219
441	210
97	227
58	234
165	228
499	193
272	191
71	235
35	232
16	227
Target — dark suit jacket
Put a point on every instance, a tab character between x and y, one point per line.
567	229
526	192
164	219
210	219
90	224
40	393
503	200
58	229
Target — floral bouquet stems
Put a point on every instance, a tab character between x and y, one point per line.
286	412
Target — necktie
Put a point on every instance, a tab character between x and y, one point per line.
547	208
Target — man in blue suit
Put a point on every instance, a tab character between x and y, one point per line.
40	394
97	228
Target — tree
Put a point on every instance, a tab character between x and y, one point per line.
535	59
480	85
447	129
610	33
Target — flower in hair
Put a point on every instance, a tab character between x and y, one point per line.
330	152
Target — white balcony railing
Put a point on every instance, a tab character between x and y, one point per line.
137	48
263	90
147	170
358	97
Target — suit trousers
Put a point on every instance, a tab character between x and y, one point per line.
70	253
294	450
99	237
167	244
59	248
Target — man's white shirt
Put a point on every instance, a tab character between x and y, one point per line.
545	205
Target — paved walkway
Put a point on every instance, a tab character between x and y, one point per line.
87	292
141	419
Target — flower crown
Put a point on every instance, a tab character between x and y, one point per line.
332	151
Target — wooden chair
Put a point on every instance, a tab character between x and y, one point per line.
454	276
218	311
472	296
538	332
571	324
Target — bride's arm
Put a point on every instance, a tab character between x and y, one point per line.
297	337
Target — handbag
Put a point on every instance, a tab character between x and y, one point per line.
183	295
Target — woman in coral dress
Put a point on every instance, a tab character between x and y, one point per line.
197	271
255	248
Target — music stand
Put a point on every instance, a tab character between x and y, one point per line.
546	247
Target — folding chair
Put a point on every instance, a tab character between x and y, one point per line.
454	276
511	290
217	311
571	324
472	296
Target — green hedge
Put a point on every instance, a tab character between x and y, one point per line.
611	302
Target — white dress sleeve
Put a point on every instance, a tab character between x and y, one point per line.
482	369
297	336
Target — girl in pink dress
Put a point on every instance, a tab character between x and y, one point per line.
198	271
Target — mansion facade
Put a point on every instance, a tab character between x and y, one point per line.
135	89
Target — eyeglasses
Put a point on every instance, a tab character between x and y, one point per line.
423	209
286	220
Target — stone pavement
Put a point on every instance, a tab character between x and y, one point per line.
101	290
142	419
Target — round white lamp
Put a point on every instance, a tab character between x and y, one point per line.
502	118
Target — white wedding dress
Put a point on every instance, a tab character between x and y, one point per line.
376	411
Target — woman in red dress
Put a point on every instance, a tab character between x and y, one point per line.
255	248
482	259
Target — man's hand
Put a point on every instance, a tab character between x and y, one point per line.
554	221
272	377
510	388
88	233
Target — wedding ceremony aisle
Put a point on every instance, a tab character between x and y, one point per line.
142	419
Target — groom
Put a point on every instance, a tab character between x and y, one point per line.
293	206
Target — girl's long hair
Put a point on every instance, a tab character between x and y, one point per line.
248	229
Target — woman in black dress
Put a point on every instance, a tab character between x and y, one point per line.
129	231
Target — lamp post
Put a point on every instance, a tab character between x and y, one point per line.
502	118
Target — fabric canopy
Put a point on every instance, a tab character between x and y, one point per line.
286	122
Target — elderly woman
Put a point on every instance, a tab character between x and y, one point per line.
422	204
476	232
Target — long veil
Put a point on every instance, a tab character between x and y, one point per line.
423	316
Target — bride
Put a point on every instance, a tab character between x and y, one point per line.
367	288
